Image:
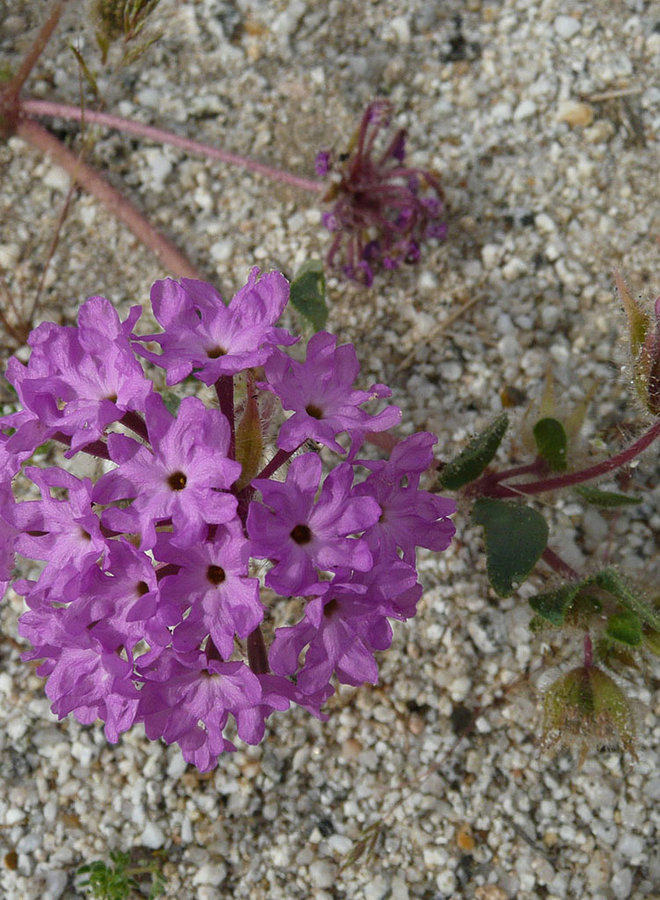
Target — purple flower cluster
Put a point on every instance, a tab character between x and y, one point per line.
148	604
382	209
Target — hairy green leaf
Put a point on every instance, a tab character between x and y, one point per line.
553	605
625	627
610	580
308	293
471	462
515	538
605	499
551	443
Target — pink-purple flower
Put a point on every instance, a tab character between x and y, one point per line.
163	574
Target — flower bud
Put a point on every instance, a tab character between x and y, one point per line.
644	347
249	438
586	706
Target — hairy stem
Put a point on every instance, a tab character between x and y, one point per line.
224	389
571	478
128	126
560	566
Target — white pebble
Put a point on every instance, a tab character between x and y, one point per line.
56	882
152	836
525	110
14	815
451	371
323	873
491	254
29	842
159	167
210	874
501	112
57	179
544	223
400	29
221	251
399	889
9	254
446	882
632	846
566	26
621	884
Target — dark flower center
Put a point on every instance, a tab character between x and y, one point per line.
177	481
141	588
215	574
112	398
301	534
330	607
314	411
85	535
215	352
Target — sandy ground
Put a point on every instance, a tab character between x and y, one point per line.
541	118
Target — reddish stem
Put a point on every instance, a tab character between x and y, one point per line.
588	651
96	448
224	389
559	565
128	126
278	460
571	478
257	653
9	103
168	255
136	423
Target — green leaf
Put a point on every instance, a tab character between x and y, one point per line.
551	443
625	627
471	462
172	402
553	605
606	499
515	538
308	293
610	580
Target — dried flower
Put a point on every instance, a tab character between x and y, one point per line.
644	347
586	706
382	210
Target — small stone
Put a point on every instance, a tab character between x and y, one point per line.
575	113
491	255
399	889
544	223
490	892
152	836
351	748
621	884
9	254
323	873
29	842
464	837
525	110
400	29
57	179
632	846
56	882
221	251
213	874
446	882
566	27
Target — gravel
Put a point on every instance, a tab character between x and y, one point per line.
542	120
